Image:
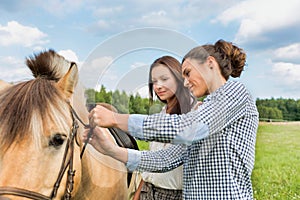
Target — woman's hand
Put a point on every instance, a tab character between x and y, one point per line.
100	140
100	116
199	103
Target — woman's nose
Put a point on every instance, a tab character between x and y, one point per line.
186	83
158	85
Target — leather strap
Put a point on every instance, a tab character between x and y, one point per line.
23	193
123	139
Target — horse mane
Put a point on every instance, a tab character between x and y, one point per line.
36	99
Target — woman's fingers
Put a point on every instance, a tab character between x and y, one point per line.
93	117
85	134
100	116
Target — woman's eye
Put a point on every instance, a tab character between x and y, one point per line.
57	140
187	73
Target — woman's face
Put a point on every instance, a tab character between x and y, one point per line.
164	83
195	77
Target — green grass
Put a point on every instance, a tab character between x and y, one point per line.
276	173
143	145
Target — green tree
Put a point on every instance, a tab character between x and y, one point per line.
137	104
90	96
120	101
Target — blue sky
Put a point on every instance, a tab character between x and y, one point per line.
114	42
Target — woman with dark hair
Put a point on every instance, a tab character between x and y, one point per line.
218	139
166	83
180	101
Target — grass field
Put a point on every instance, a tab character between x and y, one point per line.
276	173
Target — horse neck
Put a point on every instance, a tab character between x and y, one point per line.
102	177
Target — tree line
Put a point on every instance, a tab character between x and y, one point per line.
123	102
269	109
279	109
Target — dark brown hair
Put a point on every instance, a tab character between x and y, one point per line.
231	59
181	103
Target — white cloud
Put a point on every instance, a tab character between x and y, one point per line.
118	15
287	73
61	7
158	18
290	52
256	17
10	60
108	11
101	63
69	55
38	48
17	34
139	64
103	24
93	71
13	69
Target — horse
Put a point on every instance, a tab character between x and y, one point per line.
3	85
41	122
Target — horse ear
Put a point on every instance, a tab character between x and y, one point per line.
4	84
68	82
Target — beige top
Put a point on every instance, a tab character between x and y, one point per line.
168	180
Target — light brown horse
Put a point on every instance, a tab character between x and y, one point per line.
36	129
3	85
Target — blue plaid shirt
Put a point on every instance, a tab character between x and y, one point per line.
219	148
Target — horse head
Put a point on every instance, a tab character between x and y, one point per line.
37	127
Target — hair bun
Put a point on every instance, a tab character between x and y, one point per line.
235	56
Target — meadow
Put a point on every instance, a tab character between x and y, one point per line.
276	174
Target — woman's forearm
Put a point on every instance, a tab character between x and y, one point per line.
120	154
121	121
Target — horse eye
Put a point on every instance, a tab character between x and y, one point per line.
57	140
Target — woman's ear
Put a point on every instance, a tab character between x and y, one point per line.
211	61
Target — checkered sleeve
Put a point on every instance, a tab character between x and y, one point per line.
162	160
219	110
134	158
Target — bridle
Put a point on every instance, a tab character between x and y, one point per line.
67	162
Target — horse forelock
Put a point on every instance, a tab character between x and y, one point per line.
29	107
48	64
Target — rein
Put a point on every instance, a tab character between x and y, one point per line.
67	162
86	126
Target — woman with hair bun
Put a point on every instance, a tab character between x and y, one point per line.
217	140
